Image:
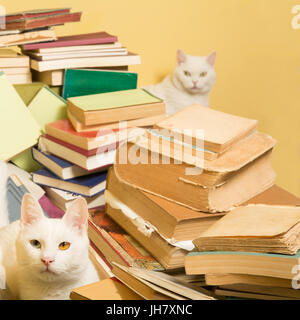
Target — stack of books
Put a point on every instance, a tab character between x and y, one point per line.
28	27
92	50
252	252
16	66
241	170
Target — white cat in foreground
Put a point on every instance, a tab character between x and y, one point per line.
191	82
46	258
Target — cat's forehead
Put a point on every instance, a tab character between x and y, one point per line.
194	63
48	228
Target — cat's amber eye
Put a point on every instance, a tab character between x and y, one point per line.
35	243
203	74
186	73
64	245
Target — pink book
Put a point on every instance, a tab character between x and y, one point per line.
75	40
50	208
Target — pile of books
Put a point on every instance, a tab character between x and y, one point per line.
28	27
253	252
93	50
171	212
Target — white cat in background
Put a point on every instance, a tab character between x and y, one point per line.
46	258
191	82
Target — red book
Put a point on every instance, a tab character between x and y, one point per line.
34	23
63	130
75	40
50	208
34	14
87	153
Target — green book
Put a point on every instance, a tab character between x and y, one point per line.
18	129
28	91
82	82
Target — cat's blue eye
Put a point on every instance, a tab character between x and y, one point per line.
186	73
35	244
203	74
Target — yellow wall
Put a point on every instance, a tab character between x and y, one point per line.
258	55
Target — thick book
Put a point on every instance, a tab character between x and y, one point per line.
115	106
221	130
63	130
87	186
142	122
80	82
62	168
252	263
28	23
171	219
216	186
118	245
20	78
257	228
109	61
75	40
18	129
89	163
32	36
11	59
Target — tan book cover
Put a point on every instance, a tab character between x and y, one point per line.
257	228
221	130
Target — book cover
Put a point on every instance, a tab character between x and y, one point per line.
75	40
20	132
79	82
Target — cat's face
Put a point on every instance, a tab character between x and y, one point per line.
52	249
196	74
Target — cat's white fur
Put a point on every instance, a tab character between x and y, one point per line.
3	187
27	276
191	82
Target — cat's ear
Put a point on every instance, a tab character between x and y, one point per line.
180	57
31	210
211	59
77	215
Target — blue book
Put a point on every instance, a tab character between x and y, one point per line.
82	82
61	168
87	186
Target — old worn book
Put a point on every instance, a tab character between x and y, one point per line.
171	219
27	23
252	263
91	62
145	289
214	186
107	289
170	282
31	36
219	279
37	13
254	228
116	244
142	122
171	257
115	106
264	290
221	130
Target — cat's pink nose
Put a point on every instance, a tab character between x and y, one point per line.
47	260
195	82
